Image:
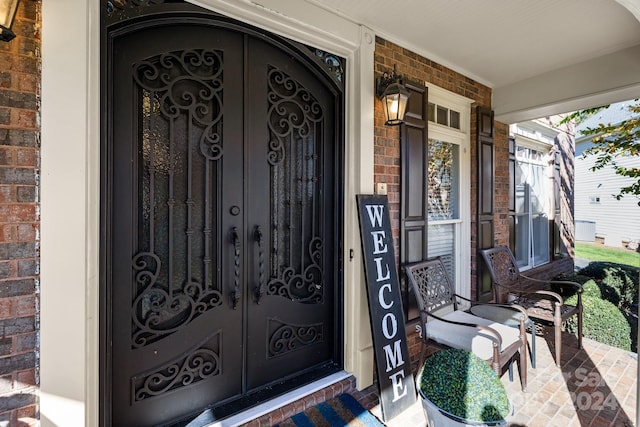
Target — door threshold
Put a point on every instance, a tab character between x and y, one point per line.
280	401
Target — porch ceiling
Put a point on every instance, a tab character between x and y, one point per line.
540	57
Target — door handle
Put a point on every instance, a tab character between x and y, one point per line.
257	235
235	240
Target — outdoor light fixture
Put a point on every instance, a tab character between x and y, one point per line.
394	96
7	13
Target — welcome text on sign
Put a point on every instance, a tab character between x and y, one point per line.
397	390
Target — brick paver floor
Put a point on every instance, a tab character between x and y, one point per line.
594	387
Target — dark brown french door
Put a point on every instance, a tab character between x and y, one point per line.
220	221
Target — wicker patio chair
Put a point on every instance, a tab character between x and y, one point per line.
444	325
543	305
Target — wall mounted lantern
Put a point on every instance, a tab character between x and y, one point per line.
394	96
7	14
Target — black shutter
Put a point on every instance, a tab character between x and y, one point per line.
512	195
413	198
486	185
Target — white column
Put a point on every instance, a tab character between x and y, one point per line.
69	215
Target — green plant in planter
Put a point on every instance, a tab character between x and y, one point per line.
464	385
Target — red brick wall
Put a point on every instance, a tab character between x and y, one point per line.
387	160
501	180
387	138
19	223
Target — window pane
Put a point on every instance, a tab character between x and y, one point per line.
521	198
532	204
522	240
443	116
431	112
522	153
537	180
540	239
455	120
442	185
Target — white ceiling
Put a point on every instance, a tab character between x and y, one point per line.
540	57
564	53
498	42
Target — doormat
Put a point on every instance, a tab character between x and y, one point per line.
343	410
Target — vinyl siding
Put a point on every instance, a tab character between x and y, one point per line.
616	220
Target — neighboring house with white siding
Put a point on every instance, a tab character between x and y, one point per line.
598	215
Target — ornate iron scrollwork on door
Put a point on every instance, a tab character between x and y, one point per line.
286	337
188	82
295	123
157	311
122	9
333	64
199	364
180	115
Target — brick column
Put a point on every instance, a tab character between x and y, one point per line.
19	218
501	200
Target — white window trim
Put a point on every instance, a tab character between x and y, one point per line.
544	147
547	148
523	141
462	138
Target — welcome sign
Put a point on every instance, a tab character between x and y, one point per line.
397	388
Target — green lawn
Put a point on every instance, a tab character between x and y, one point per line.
602	253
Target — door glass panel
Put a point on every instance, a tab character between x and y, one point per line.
295	127
443	181
180	121
443	202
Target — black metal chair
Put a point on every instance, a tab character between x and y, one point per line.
542	304
445	325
